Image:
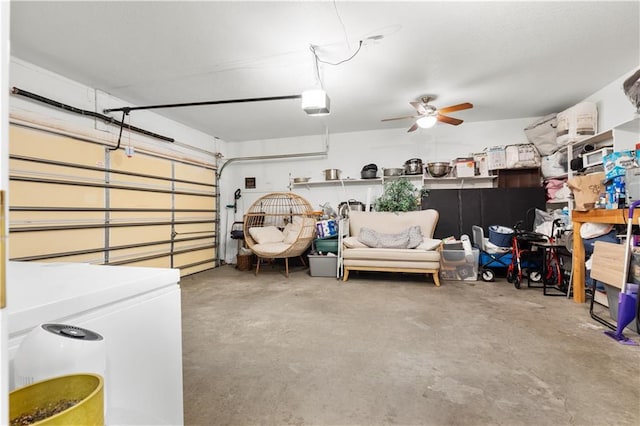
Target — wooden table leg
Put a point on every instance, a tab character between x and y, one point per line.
577	265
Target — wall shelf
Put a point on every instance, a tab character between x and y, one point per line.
458	179
459	182
375	181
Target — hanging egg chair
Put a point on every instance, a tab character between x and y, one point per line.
279	225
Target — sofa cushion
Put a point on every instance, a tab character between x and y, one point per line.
266	234
429	244
391	264
375	254
271	249
352	242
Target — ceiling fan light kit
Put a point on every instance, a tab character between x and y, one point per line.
315	102
426	122
428	115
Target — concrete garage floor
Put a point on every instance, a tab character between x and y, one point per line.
394	349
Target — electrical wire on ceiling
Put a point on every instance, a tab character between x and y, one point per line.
315	53
344	28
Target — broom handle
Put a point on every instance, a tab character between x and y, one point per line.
627	251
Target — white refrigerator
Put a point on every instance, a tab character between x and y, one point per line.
136	310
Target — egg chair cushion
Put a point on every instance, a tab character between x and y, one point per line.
266	234
291	232
270	249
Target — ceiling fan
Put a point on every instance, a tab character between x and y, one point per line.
428	114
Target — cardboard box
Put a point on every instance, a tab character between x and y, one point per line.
465	167
617	163
586	190
482	164
608	263
454	265
496	158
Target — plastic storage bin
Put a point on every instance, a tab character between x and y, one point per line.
454	265
323	265
326	245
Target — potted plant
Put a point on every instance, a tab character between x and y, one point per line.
398	196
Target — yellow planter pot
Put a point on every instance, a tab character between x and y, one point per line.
88	388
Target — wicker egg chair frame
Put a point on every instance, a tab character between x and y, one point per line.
279	209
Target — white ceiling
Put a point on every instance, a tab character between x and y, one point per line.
510	59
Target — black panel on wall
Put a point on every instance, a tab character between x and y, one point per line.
460	209
447	203
507	206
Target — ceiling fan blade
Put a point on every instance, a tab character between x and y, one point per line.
400	118
449	120
413	128
419	107
454	108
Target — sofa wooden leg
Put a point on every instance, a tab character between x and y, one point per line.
436	279
286	267
345	275
257	266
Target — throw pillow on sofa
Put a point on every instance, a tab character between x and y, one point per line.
409	238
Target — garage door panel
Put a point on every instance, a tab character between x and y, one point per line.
139	234
183	216
42	144
196	227
37	194
184	271
185	245
139	252
193	257
139	199
22	244
140	163
129	216
22	218
161	262
194	173
195	202
51	171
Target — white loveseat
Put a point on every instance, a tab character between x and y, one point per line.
363	249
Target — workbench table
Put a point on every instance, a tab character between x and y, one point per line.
613	216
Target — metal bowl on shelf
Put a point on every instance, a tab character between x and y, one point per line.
393	171
301	179
438	169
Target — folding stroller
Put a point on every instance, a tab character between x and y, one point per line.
490	258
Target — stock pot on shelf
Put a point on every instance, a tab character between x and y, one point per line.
331	174
413	167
